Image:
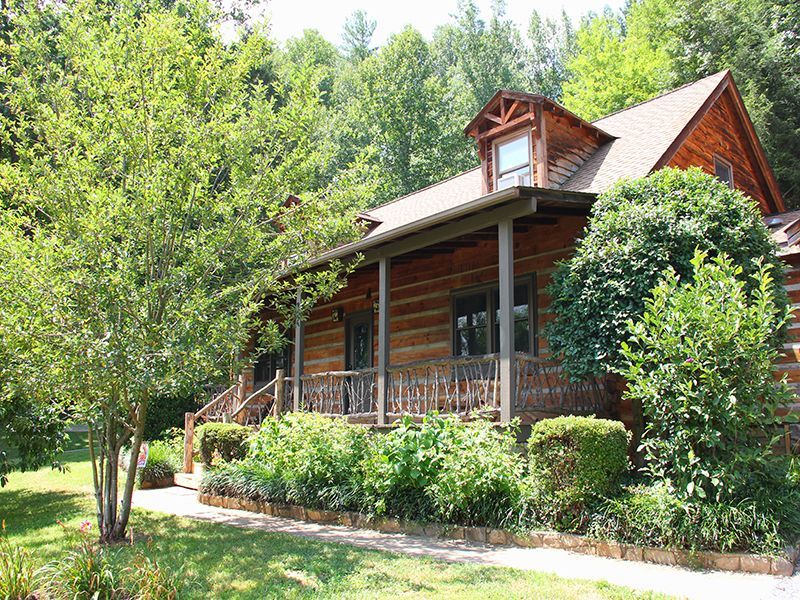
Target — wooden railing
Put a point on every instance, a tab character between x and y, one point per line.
223	403
460	385
268	400
337	393
541	386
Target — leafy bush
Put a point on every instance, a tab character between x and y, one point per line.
700	363
639	228
16	571
404	463
653	516
164	459
228	441
310	460
479	477
167	412
572	462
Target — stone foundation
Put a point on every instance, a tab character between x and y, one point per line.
747	563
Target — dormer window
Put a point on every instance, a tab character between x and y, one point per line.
513	161
723	171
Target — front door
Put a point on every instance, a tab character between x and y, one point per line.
357	395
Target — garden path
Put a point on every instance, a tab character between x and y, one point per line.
677	581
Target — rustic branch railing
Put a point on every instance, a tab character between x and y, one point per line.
542	387
338	393
223	403
265	401
459	385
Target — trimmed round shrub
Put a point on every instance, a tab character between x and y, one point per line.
228	441
573	461
639	228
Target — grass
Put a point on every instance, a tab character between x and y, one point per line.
220	561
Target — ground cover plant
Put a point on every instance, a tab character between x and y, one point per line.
256	564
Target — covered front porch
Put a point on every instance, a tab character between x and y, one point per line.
445	316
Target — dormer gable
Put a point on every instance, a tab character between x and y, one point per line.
527	139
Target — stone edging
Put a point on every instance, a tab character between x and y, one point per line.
747	563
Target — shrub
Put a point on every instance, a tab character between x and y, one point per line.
167	412
228	441
700	363
164	459
572	462
16	571
479	477
653	516
311	460
639	228
404	463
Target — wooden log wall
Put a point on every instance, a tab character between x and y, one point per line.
421	290
720	132
789	364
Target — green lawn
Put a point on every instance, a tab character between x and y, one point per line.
224	562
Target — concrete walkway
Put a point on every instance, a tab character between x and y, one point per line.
676	581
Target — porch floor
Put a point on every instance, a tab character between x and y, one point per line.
642	576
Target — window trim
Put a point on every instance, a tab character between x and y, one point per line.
719	160
496	155
530	280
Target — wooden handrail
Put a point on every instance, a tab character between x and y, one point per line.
311	376
256	394
443	362
214	402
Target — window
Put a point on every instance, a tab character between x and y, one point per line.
513	164
723	170
476	319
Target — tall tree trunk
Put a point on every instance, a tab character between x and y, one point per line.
121	524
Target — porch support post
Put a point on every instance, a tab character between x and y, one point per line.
384	283
505	239
299	335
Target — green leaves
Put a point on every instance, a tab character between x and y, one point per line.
699	360
638	229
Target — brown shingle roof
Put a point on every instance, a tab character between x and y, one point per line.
644	132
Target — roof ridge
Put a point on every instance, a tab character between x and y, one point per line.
659	96
427	187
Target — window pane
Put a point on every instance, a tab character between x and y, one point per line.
471	310
521	320
471	324
723	171
513	153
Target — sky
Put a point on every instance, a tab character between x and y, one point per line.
289	18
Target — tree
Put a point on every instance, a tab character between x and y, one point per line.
357	36
638	229
656	45
700	363
617	63
312	51
145	223
395	105
552	45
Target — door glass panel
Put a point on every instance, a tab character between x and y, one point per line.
360	345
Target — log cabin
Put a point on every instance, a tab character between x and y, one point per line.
446	310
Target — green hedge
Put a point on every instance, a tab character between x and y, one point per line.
572	462
226	441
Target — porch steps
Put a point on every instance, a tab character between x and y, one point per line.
190	480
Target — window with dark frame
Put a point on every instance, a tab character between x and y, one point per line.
723	170
476	319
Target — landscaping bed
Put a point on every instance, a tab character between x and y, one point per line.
747	563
